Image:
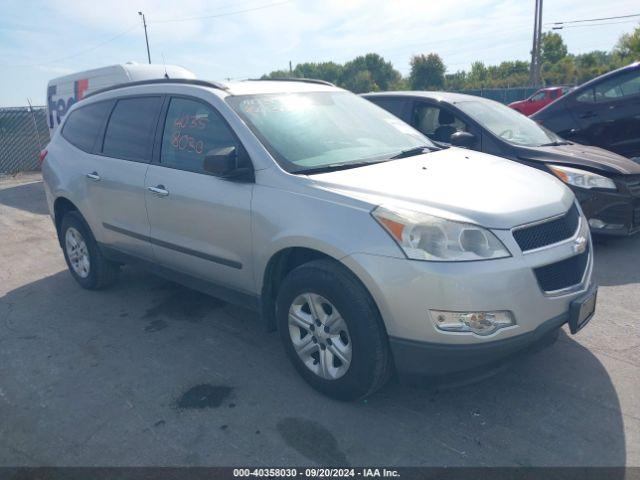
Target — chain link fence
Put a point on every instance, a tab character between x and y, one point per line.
23	133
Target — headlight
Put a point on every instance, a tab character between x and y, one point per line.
425	237
581	178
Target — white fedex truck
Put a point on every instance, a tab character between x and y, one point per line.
62	92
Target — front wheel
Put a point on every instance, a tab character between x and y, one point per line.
332	330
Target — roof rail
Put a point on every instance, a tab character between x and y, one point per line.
293	79
154	81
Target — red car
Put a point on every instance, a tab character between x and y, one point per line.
535	102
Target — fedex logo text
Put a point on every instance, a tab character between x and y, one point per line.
58	107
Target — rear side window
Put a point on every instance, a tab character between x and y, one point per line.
586	97
83	125
616	88
621	86
129	134
191	130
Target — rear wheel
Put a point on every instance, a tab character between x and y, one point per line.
332	331
85	260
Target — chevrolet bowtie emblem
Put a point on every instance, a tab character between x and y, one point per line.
580	244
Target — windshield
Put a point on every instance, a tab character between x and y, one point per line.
311	130
508	124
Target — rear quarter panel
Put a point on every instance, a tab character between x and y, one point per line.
63	176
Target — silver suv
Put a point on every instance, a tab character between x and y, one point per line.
365	245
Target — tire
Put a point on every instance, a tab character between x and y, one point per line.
97	272
335	293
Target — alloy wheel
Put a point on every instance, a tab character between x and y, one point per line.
320	336
77	252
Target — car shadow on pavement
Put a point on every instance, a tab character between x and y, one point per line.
27	196
617	260
147	341
556	406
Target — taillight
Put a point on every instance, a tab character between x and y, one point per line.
42	156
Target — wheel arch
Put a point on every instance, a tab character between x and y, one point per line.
61	206
283	261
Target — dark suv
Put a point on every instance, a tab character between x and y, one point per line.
604	112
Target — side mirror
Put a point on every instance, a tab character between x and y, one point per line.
223	162
463	139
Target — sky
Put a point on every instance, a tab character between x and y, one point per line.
220	39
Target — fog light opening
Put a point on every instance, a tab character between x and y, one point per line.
598	224
479	323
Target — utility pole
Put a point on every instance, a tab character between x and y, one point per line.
532	68
535	51
539	46
290	69
144	23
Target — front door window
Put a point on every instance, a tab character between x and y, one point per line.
437	123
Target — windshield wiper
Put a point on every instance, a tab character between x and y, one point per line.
335	166
413	151
557	143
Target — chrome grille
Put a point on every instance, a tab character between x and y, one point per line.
548	233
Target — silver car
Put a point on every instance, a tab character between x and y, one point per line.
367	247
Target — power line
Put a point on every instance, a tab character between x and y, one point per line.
562	27
81	52
594	19
124	32
235	12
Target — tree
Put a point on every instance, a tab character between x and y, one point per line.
552	48
371	72
382	75
563	72
427	72
362	82
456	81
591	64
478	75
276	74
329	71
628	46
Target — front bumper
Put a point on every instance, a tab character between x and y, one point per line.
620	210
407	291
432	359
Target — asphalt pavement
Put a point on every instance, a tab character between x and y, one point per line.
151	373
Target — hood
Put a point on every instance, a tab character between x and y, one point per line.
593	158
517	104
457	184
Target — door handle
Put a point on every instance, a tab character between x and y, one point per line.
159	190
589	115
93	176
